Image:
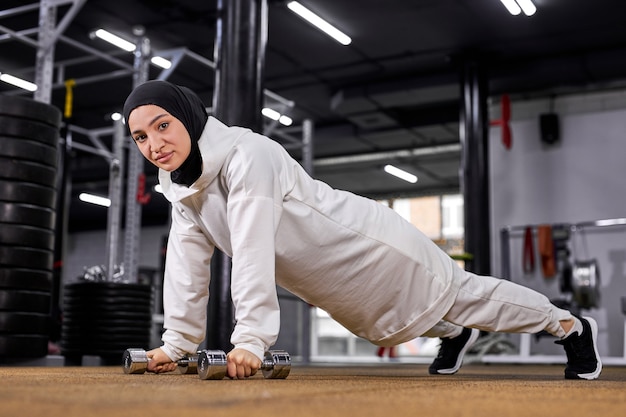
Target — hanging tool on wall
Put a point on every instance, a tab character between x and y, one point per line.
529	251
503	121
546	250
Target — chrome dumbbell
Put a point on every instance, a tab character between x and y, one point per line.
135	361
212	364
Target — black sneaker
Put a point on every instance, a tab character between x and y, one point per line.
451	352
583	360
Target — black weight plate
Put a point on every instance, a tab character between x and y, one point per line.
110	337
26	257
25	301
118	302
27	171
107	357
30	109
87	306
24	323
99	339
129	296
28	193
98	344
106	335
72	329
111	297
25	279
26	214
80	321
23	346
103	340
22	235
79	317
139	327
105	316
91	303
28	129
103	287
29	150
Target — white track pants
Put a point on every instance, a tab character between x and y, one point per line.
498	305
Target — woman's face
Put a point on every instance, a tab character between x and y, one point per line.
161	138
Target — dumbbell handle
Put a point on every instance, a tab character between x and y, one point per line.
135	361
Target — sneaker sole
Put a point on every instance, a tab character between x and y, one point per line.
594	337
459	362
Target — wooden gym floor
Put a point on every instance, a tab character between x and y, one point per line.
389	390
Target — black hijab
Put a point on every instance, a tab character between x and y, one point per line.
183	104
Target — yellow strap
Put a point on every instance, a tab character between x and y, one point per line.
69	97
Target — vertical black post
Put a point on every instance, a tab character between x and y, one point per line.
237	99
62	206
475	167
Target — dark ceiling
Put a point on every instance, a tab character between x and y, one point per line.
392	96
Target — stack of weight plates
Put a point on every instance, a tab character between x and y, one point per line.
29	134
104	319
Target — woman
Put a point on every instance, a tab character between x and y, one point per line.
358	260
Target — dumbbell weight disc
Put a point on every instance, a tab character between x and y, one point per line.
212	364
134	361
276	364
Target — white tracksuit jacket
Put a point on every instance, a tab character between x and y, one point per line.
358	260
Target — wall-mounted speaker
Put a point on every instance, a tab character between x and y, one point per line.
549	128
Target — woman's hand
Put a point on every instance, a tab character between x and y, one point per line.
242	364
159	362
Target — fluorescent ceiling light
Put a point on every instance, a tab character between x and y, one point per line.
161	62
274	115
515	7
94	199
115	40
527	6
397	172
270	113
512	7
318	22
129	46
18	82
285	120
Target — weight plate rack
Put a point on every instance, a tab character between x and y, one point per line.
105	318
29	136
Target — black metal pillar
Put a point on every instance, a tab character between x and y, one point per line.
62	209
237	99
475	167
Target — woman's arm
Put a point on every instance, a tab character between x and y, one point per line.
253	213
185	286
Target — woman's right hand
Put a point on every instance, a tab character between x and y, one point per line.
159	362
